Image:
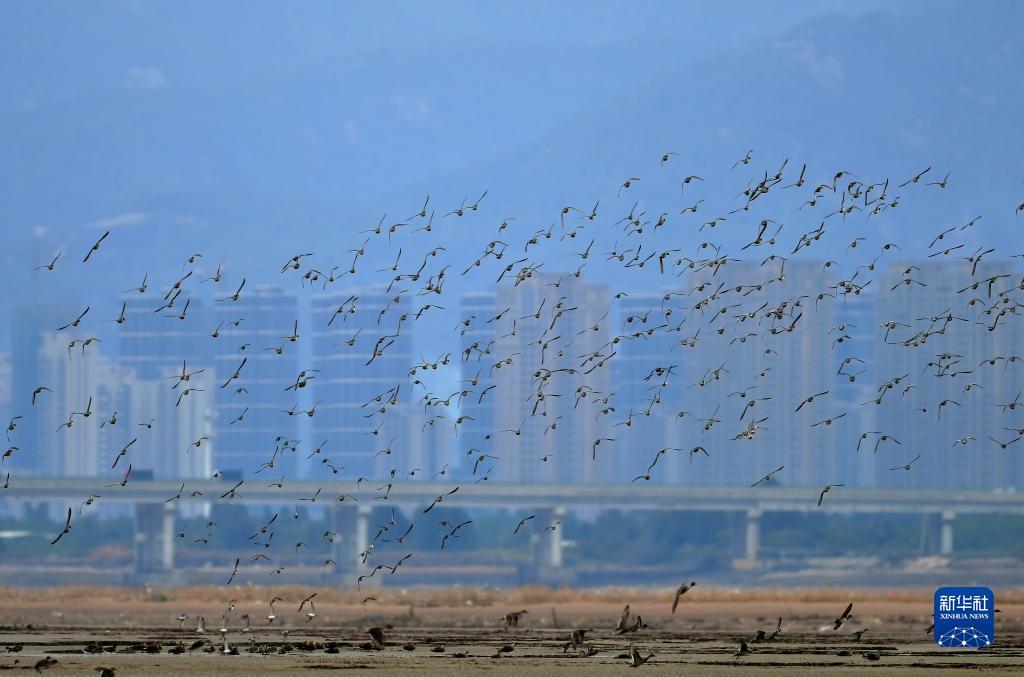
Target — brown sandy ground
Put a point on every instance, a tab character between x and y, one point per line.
700	639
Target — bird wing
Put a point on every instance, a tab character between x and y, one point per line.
67	526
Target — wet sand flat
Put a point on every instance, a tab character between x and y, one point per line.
134	631
535	652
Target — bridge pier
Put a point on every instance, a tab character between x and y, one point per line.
937	532
548	548
751	540
547	543
154	537
351	524
946	533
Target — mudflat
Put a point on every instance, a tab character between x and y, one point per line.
456	630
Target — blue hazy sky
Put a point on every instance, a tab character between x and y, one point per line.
247	133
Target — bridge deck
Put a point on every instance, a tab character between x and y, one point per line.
764	499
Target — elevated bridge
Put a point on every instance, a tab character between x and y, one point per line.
155	515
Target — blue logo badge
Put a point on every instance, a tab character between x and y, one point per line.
965	617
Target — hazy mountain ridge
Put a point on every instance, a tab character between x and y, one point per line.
306	150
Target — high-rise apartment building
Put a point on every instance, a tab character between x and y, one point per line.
960	363
747	373
29	326
262	328
348	328
550	343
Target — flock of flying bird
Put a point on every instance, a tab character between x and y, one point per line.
513	258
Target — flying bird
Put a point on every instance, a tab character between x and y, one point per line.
768	477
95	247
67	528
440	499
907	466
521	523
828	488
680	591
843	617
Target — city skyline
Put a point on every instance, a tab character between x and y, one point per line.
553	337
650	410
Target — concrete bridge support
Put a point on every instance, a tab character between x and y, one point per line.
937	533
546	543
154	537
547	549
351	526
946	533
751	529
753	534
